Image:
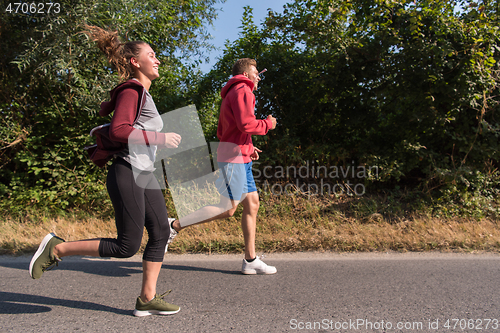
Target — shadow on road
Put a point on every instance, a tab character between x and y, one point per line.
15	303
199	269
110	268
101	267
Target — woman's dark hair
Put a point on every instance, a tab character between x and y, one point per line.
118	53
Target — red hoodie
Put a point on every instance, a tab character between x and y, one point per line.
124	101
237	122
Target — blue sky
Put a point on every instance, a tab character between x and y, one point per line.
229	19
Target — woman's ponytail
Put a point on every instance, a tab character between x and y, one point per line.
118	53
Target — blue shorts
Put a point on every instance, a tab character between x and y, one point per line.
235	179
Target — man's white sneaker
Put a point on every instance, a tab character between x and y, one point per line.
173	233
257	267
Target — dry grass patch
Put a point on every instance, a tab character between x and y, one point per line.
18	237
285	224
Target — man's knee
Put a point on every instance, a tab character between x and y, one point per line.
229	212
227	207
251	203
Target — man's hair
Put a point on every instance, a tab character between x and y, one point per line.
243	65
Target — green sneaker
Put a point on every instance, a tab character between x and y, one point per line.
155	306
44	257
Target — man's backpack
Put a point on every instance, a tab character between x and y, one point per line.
104	149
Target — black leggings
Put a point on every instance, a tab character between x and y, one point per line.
136	206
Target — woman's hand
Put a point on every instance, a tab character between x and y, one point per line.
172	140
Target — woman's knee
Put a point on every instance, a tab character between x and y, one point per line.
128	250
159	236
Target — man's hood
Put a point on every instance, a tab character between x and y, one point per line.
235	80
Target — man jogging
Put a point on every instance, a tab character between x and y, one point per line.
237	124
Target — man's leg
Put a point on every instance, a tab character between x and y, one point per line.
249	223
252	264
230	184
224	209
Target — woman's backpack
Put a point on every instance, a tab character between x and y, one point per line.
105	149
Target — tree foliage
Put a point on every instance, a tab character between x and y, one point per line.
411	87
53	79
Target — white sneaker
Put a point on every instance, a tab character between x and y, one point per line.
257	267
173	233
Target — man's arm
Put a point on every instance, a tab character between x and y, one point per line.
243	110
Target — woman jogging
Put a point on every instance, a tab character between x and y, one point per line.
137	199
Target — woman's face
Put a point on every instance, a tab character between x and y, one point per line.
146	62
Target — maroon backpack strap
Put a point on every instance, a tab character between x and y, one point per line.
140	105
104	150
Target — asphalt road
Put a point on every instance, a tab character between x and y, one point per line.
310	293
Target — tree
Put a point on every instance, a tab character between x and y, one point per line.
53	79
410	87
